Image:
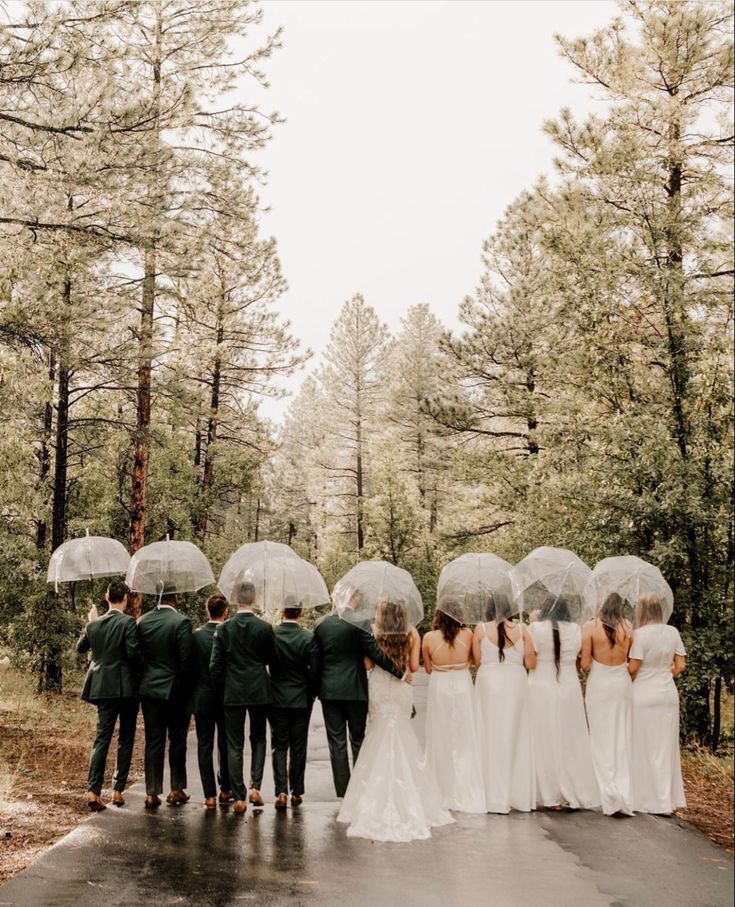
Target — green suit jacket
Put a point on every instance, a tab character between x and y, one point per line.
343	643
295	669
205	699
243	649
167	648
113	639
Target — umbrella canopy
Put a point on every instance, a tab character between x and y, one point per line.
278	575
629	577
551	583
168	567
245	557
476	587
362	589
87	558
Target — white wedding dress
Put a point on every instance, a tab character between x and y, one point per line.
657	781
391	796
452	750
562	753
504	728
609	701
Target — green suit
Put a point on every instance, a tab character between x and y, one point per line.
167	648
243	648
342	644
206	705
294	675
110	685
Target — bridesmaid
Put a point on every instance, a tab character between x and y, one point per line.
561	745
503	648
657	656
451	739
609	698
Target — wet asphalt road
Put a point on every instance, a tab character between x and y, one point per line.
304	859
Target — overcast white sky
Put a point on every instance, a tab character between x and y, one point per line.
411	125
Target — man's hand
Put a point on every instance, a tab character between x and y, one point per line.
408	677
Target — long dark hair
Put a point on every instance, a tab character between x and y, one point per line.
555	609
447	626
611	616
501	608
392	632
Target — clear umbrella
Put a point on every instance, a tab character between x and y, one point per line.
549	584
248	557
166	568
265	565
369	584
87	558
618	583
476	587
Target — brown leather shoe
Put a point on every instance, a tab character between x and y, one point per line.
296	799
177	798
210	803
152	801
117	798
94	802
226	797
281	801
256	799
239	807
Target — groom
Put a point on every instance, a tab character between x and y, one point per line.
343	641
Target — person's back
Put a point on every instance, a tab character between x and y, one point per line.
166	649
340	645
608	646
204	698
445	654
115	651
655	646
570	638
248	647
294	668
111	685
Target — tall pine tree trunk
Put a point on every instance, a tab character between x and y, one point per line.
208	474
50	678
44	455
141	452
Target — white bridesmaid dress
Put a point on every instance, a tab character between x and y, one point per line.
609	700
657	781
451	739
561	744
504	728
391	796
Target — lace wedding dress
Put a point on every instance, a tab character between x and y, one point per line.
391	795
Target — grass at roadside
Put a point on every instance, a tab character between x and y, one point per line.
708	781
44	753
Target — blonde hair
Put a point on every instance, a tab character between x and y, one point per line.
648	611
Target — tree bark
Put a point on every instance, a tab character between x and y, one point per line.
141	451
44	456
208	475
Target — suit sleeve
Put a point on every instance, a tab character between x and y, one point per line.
185	640
314	660
132	644
376	654
83	643
270	652
217	659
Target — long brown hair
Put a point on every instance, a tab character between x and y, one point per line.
611	616
447	626
392	632
556	609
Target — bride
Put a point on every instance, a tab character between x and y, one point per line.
391	795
